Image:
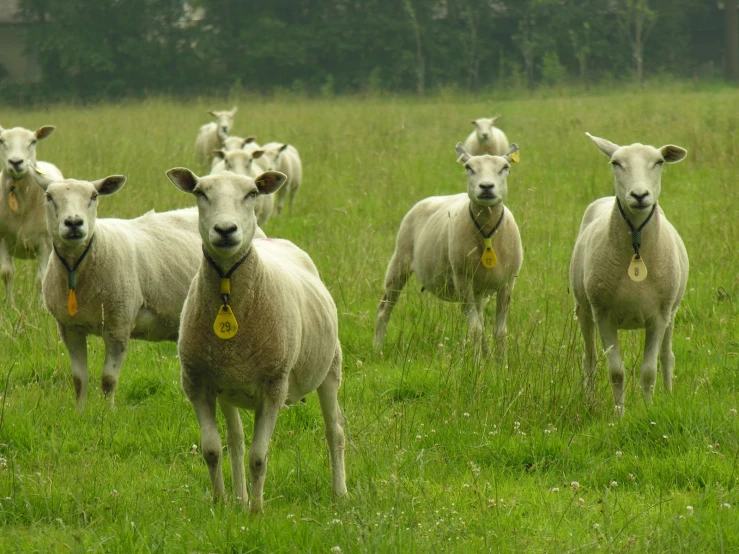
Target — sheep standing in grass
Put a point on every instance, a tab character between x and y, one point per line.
259	331
629	268
486	138
22	218
248	145
213	134
242	162
463	248
285	159
115	278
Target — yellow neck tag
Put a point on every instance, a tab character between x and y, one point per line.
72	303
225	286
637	269
489	259
13	201
225	325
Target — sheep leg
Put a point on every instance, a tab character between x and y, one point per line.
655	334
7	272
395	280
587	327
43	260
333	420
666	356
281	194
76	344
291	197
116	348
503	302
204	404
265	418
235	441
616	372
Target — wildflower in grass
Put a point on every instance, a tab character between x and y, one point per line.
652	423
581	501
614	484
555	489
491	502
194	450
575	485
725	506
336	550
114	493
689	509
631	477
418	438
466	414
4	464
732	412
619	453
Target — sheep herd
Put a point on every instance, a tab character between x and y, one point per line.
256	327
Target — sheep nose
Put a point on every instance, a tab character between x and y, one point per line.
639	197
16	163
225	229
74	222
486	187
225	130
484	136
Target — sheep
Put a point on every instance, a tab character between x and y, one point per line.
486	139
243	163
115	278
259	330
22	221
462	247
211	135
629	268
283	158
248	145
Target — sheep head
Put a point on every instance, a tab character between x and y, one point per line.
637	172
486	175
18	148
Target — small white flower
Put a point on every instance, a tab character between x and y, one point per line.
581	501
614	484
466	414
575	485
732	412
336	550
418	438
725	506
689	509
555	489
619	453
114	493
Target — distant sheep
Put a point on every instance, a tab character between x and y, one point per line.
486	138
629	268
259	331
231	144
114	278
211	135
23	231
243	163
463	248
284	158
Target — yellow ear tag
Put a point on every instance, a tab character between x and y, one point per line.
225	325
637	269
72	303
489	259
515	157
38	170
13	201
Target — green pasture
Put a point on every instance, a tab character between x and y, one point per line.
445	453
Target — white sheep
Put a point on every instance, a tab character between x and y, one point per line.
230	144
486	138
259	331
284	158
629	268
463	248
115	278
242	162
22	217
211	135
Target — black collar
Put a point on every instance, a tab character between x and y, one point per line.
72	271
497	225
635	233
227	275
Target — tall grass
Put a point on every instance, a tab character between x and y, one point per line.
445	451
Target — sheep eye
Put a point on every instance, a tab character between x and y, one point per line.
252	194
48	197
616	164
33	142
199	193
659	163
94	196
505	169
469	169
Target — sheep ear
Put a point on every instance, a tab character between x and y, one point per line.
495	118
109	185
270	181
513	155
42	179
248	140
219	154
213	113
45	131
234	109
474	122
283	148
673	154
463	155
605	146
183	178
1	128
257	154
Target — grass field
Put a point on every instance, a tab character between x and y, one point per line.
444	454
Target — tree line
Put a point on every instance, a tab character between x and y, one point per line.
94	48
